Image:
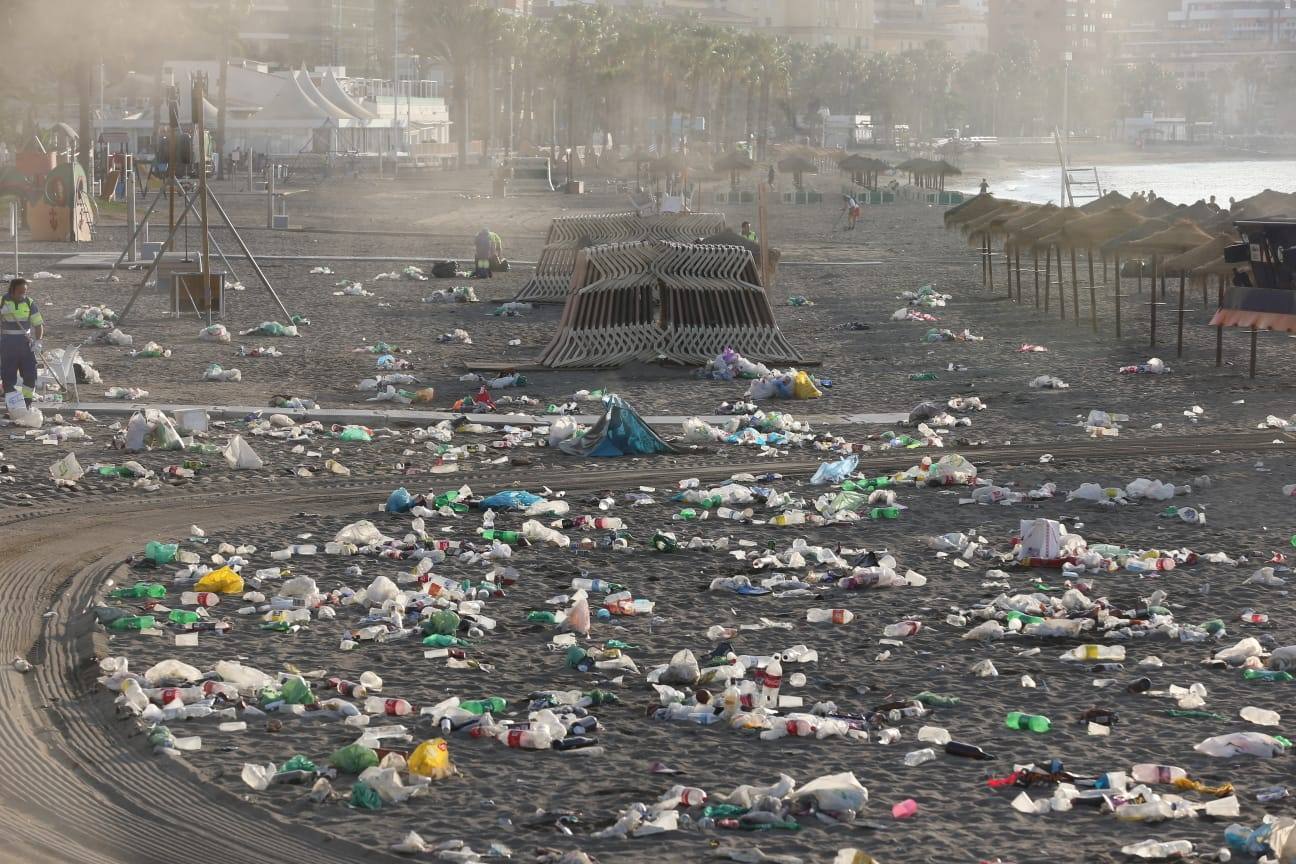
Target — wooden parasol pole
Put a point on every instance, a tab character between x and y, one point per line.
762	223
1093	291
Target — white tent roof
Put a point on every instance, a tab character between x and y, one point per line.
312	92
332	89
292	103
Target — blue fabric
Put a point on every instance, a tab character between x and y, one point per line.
16	358
619	432
510	500
400	501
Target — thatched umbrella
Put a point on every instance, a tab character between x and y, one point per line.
1034	236
734	161
985	228
1263	204
942	169
1223	271
1028	216
1187	263
797	166
1178	238
860	167
1107	202
1088	232
1159	209
973	207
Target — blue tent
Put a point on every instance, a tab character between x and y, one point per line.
619	432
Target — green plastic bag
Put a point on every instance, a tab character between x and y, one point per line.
442	621
297	692
353	758
364	797
355	433
161	553
298	763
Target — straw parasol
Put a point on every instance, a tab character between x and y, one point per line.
797	165
862	167
1199	256
1160	209
942	169
1177	239
1030	215
973	207
1109	201
734	162
1263	204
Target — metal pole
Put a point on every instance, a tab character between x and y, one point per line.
1117	296
1093	293
200	85
1219	329
1066	125
132	250
270	193
13	229
153	265
238	238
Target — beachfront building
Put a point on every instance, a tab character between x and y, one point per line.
283	112
351	33
1080	32
958	26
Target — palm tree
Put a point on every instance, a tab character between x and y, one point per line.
451	31
223	20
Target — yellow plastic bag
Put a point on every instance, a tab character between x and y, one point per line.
222	581
432	759
803	387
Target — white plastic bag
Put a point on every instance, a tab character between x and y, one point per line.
240	455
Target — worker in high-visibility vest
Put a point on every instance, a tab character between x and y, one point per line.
21	331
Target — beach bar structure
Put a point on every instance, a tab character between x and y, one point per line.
552	280
654	300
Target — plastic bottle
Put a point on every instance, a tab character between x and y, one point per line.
732	514
1147	772
829	616
526	739
688	514
1266	675
1155	849
901	629
789	517
1033	722
390	707
140	591
133	622
884	513
664	541
1260	716
512	538
493	705
770	684
350	689
199	598
1250	616
599	586
1096	652
966	751
909	807
918	757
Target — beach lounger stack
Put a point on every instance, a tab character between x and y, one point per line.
552	280
655	299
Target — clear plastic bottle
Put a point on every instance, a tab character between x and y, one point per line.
1149	773
1096	652
390	707
901	629
1260	716
934	735
829	616
770	684
526	739
918	757
199	598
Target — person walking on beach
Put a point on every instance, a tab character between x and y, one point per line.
486	246
747	232
985	187
21	331
771	177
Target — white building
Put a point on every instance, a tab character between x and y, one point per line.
283	112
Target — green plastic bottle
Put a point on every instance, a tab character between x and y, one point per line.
113	471
1014	615
542	616
1266	675
884	513
937	700
442	640
133	622
1033	722
711	501
493	704
923	376
140	591
688	514
183	617
601	697
509	537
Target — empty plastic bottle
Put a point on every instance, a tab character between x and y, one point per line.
934	735
1250	616
829	616
512	538
1033	722
140	591
351	689
918	757
527	739
732	514
199	598
600	586
1096	652
1147	772
133	622
390	707
1266	675
908	808
1260	716
771	681
884	513
901	629
1156	849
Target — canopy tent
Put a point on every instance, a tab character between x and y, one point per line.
652	300
331	89
978	205
552	279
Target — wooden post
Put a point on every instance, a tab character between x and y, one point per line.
762	225
989	262
1035	255
1017	257
1117	294
1061	287
1219	328
1048	275
1254	333
1093	291
1152	302
1075	288
1179	339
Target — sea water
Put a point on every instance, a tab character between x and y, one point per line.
1180	182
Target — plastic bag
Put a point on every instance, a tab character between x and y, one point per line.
835	792
245	678
355	433
214	333
297	692
240	455
834	472
510	500
432	759
364	797
803	387
167	671
160	553
222	581
561	429
353	758
362	533
400	501
67	468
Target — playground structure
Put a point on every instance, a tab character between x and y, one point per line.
661	300
54	192
552	280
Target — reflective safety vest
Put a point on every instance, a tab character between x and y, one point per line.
17	317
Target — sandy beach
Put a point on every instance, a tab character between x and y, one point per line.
1198	421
